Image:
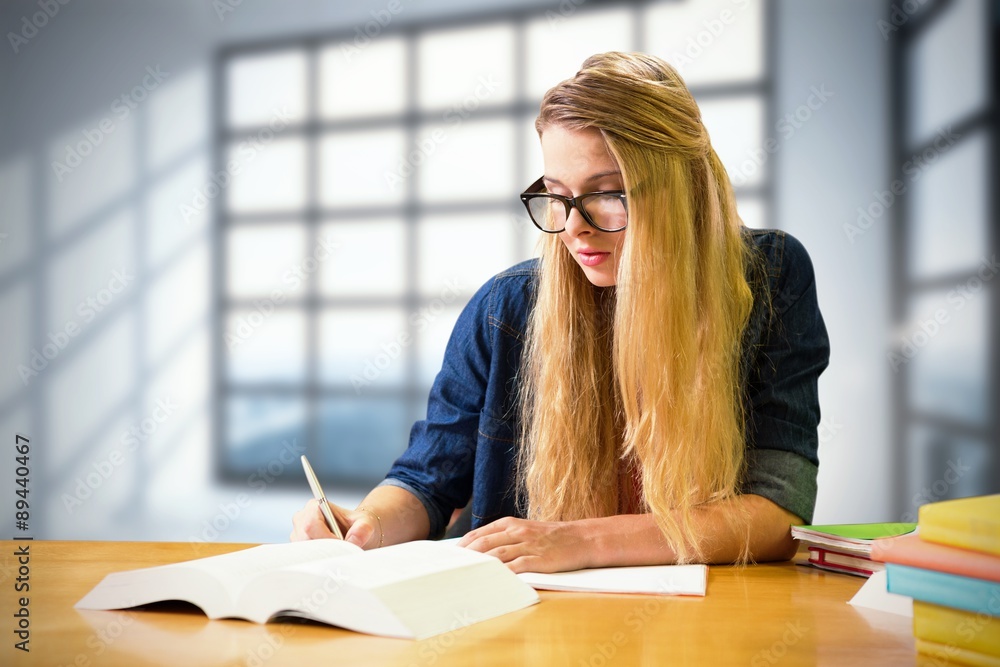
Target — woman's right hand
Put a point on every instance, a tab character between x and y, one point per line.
358	526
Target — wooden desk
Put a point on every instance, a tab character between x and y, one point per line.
764	615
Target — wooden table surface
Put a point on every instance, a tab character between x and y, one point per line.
762	615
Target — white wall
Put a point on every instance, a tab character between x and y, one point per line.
829	167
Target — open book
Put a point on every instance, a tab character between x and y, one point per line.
412	590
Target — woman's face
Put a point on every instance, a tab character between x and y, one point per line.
578	161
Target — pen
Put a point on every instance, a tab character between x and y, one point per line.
321	498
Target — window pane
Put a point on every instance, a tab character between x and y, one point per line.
266	345
364	348
179	119
950	206
435	324
709	41
483	75
259	428
753	211
371	260
262	85
948	68
18	303
363	81
458	253
362	168
360	438
734	126
946	466
558	43
533	166
946	346
259	258
16	215
271	176
467	162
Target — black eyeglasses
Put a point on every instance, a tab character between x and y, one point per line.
606	210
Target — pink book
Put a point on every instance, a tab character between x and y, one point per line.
839	561
911	550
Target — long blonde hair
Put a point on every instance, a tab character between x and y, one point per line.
642	377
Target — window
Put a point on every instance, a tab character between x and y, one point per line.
946	301
374	189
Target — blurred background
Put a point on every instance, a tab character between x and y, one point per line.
232	232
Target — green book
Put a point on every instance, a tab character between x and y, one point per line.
852	538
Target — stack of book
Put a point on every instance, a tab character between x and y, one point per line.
847	548
951	569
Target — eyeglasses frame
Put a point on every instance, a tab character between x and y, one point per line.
534	191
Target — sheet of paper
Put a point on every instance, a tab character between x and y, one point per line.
874	595
654	579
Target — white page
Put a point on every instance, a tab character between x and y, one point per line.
400	562
875	595
233	570
654	579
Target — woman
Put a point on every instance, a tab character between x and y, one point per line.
646	393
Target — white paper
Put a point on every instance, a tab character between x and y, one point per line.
653	579
874	595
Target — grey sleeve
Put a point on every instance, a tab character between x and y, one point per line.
785	478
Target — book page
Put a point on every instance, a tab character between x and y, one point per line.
400	562
234	570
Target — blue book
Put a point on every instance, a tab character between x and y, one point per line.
947	590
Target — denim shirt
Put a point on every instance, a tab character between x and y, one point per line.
465	448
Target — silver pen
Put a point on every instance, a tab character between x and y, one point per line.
321	498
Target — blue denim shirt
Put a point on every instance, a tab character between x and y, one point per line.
465	448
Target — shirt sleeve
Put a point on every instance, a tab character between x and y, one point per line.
438	463
782	387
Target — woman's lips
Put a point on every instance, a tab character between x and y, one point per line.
592	258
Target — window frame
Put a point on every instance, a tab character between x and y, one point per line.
412	209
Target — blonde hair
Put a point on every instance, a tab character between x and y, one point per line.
644	376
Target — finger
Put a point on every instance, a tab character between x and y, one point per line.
508	553
341	516
492	541
468	538
309	523
298	534
298	530
524	564
317	529
360	533
482	531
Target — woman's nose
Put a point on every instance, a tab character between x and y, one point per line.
576	225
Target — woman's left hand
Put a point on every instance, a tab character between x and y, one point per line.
532	546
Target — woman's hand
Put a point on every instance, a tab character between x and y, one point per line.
358	526
533	546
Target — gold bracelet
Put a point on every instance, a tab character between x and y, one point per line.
381	535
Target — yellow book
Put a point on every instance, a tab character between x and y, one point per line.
968	523
953	654
962	629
